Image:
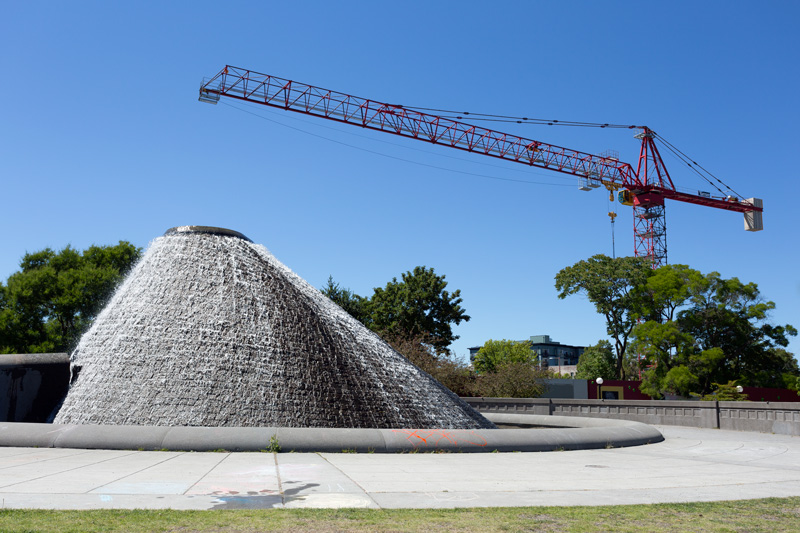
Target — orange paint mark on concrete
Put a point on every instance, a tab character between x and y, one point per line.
438	436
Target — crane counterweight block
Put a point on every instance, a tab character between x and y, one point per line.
754	220
647	199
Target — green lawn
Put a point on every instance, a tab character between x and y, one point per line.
770	515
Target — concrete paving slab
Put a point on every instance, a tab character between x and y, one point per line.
91	476
331	501
49	467
253	474
174	475
83	502
310	473
19	456
690	465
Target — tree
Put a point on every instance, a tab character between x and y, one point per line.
726	392
597	362
616	288
512	380
414	316
508	369
419	304
716	331
668	288
351	302
495	354
445	367
732	316
47	305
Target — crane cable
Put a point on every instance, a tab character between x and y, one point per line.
692	164
459	115
498	178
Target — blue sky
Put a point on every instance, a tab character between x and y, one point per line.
102	139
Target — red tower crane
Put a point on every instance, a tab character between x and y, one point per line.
645	188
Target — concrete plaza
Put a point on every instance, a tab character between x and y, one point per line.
690	465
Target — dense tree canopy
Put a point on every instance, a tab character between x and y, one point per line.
615	287
693	331
597	361
714	332
444	366
417	305
54	297
495	354
508	369
351	302
416	315
513	380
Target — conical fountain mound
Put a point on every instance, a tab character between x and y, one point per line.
210	329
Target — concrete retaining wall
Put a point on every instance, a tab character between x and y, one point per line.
32	386
766	417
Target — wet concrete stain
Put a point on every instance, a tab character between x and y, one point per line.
254	500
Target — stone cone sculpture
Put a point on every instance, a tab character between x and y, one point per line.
210	329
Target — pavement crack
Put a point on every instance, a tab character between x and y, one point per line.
278	477
77	452
67	470
211	469
356	483
138	471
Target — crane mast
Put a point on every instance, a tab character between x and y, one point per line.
644	188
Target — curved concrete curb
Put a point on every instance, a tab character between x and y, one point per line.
28	359
537	433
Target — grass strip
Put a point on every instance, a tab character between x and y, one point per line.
769	515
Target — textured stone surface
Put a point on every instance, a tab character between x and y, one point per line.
212	330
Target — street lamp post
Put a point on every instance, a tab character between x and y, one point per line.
599	382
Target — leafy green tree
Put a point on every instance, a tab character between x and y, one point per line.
47	305
668	288
726	392
732	316
495	354
716	331
351	302
597	362
678	380
616	288
445	367
418	304
512	380
415	316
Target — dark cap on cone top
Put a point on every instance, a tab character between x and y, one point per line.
209	230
